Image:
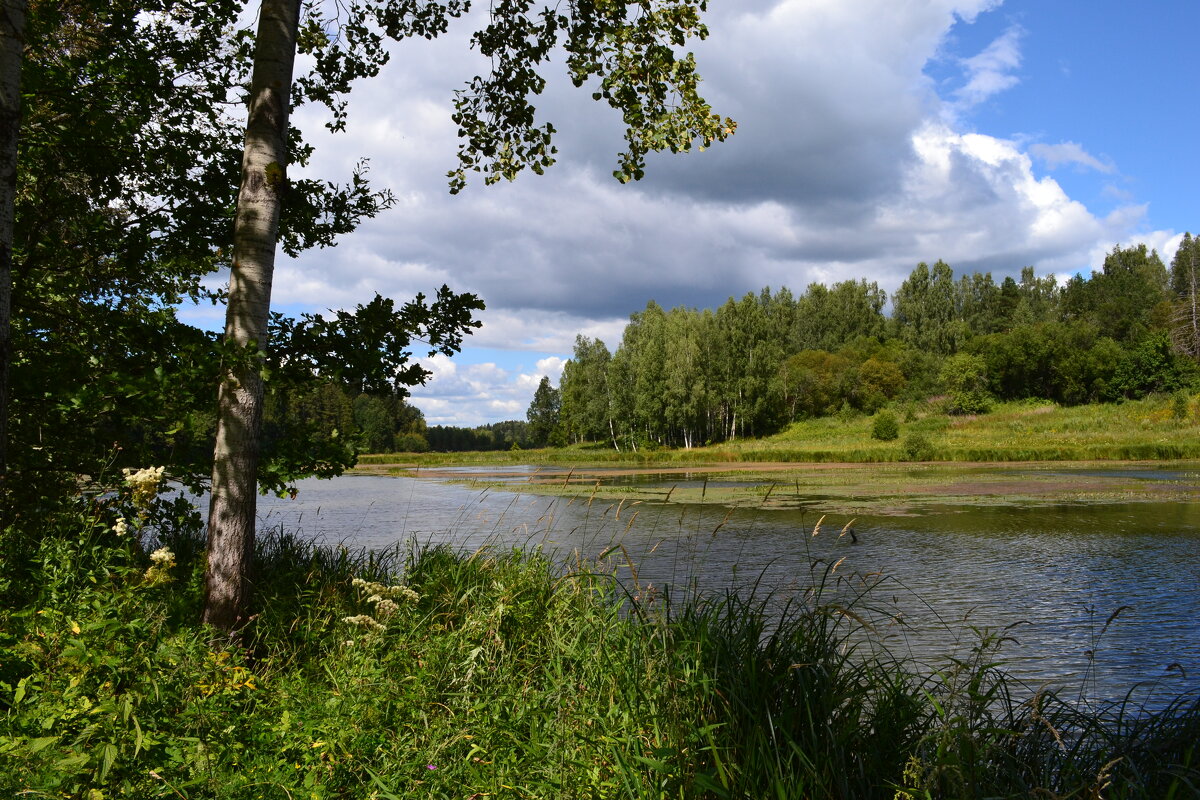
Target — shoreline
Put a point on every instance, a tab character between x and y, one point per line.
838	487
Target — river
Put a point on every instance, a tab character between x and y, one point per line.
1051	575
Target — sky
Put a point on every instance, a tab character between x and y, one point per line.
872	135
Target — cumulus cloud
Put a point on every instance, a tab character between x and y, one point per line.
847	163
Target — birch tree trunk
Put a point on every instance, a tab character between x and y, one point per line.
239	405
12	44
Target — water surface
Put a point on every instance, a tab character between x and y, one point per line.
1050	575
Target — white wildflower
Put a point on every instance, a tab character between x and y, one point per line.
377	592
385	608
163	557
365	621
121	528
145	483
161	561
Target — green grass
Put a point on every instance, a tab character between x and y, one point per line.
505	674
1020	431
1024	431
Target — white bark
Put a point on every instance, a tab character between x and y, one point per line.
12	45
256	229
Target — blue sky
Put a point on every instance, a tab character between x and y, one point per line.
872	135
1119	79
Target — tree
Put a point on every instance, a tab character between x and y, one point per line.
924	308
543	413
684	390
1127	291
1153	366
1185	289
120	195
586	399
964	377
125	185
239	403
1039	298
630	51
878	381
826	319
980	303
12	43
812	382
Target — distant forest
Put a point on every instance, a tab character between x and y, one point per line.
685	377
377	423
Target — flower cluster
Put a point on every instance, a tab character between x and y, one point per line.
161	561
384	599
122	527
366	621
145	483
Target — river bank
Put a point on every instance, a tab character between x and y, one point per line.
498	673
1153	429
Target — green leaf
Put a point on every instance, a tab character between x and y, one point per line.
37	745
109	756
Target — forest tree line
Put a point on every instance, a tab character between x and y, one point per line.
377	423
685	377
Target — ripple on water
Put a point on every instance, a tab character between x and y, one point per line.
1055	574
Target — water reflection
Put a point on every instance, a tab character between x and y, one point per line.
1054	575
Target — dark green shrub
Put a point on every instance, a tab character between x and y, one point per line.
965	379
917	446
411	443
884	427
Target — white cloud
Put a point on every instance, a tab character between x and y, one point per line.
1056	155
551	367
990	72
466	394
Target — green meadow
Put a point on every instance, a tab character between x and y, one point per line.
1150	429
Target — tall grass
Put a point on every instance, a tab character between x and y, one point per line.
504	673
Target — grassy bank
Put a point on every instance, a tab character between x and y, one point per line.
1149	429
502	674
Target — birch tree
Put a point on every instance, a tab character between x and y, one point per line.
626	49
240	397
1185	286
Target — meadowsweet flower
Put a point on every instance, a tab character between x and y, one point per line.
163	557
161	561
383	598
377	592
121	528
145	483
365	621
